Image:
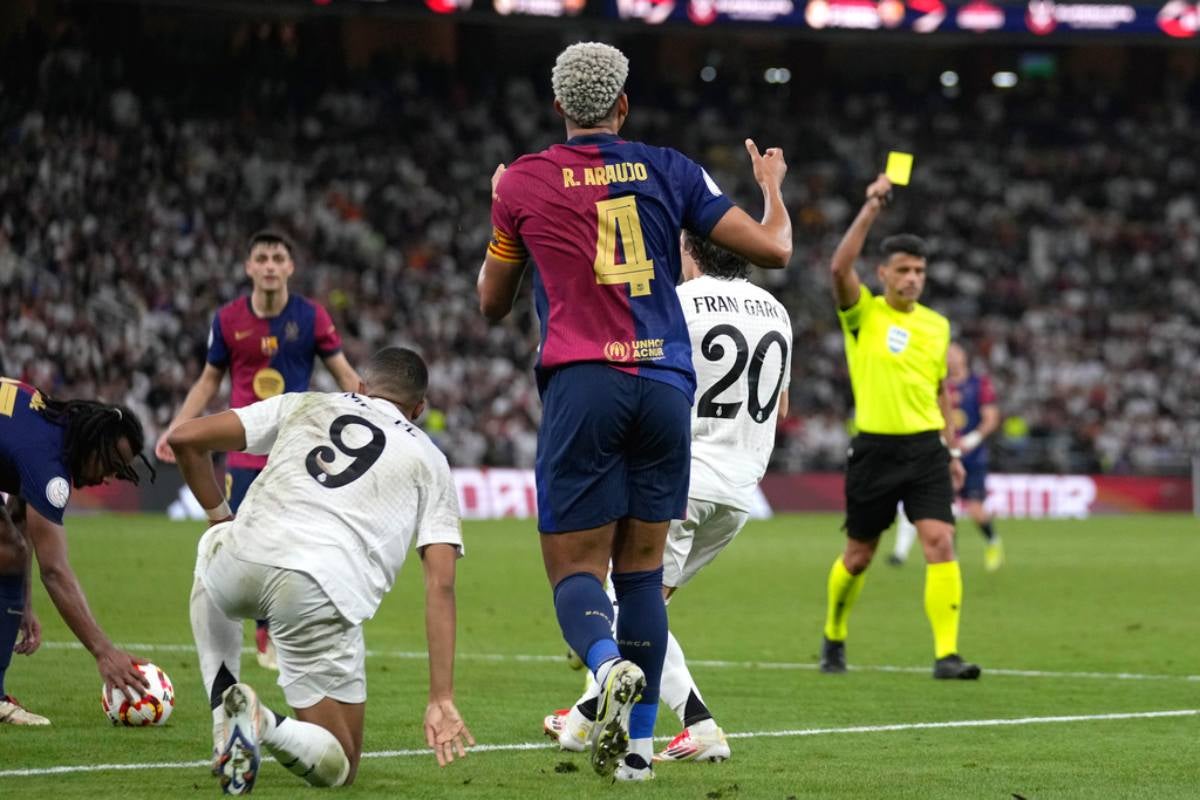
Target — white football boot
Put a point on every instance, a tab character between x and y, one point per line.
694	745
633	767
609	739
569	728
237	766
13	713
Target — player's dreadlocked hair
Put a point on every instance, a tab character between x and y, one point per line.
95	428
715	260
587	80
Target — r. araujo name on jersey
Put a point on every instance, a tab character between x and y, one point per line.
601	218
742	350
348	486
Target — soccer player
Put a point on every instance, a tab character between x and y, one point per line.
46	447
601	219
976	416
906	448
267	342
350	484
741	347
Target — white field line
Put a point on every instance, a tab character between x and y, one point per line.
421	655
500	748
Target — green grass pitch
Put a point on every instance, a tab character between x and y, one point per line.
1087	618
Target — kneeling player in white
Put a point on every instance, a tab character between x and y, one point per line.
316	544
741	347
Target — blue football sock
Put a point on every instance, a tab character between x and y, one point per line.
641	719
642	635
12	608
585	616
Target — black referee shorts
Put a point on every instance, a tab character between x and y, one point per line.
884	470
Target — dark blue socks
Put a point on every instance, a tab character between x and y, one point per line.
585	616
12	608
642	636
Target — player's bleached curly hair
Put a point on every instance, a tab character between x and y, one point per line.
587	79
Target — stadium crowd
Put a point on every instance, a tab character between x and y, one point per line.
1065	231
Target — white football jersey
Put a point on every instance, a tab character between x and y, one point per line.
349	485
742	351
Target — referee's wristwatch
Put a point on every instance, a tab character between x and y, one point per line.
955	452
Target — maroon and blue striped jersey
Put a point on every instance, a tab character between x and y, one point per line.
269	356
601	218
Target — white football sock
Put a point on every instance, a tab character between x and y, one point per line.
218	639
305	749
906	534
591	691
643	748
677	681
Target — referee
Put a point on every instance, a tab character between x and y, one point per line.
905	449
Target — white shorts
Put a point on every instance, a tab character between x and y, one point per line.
321	654
694	542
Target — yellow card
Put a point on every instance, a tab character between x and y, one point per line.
899	168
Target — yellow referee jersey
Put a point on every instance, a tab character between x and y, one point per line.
896	362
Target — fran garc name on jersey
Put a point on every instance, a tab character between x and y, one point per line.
750	306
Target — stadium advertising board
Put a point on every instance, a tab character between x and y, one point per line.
1044	18
1012	496
511	493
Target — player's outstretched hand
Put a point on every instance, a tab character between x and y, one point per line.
31	634
446	732
496	179
163	450
119	671
769	167
880	191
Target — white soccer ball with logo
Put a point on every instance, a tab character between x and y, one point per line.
153	707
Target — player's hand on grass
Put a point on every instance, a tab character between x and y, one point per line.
496	179
31	634
163	450
446	732
879	193
769	167
119	671
958	474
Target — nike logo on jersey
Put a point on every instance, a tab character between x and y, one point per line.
239	335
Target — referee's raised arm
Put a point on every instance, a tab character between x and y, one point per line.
845	277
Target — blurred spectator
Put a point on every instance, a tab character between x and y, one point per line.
1066	234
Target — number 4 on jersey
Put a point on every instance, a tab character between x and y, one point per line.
617	220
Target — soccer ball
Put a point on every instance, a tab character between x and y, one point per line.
152	708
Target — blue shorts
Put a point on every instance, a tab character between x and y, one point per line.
237	483
611	445
975	486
